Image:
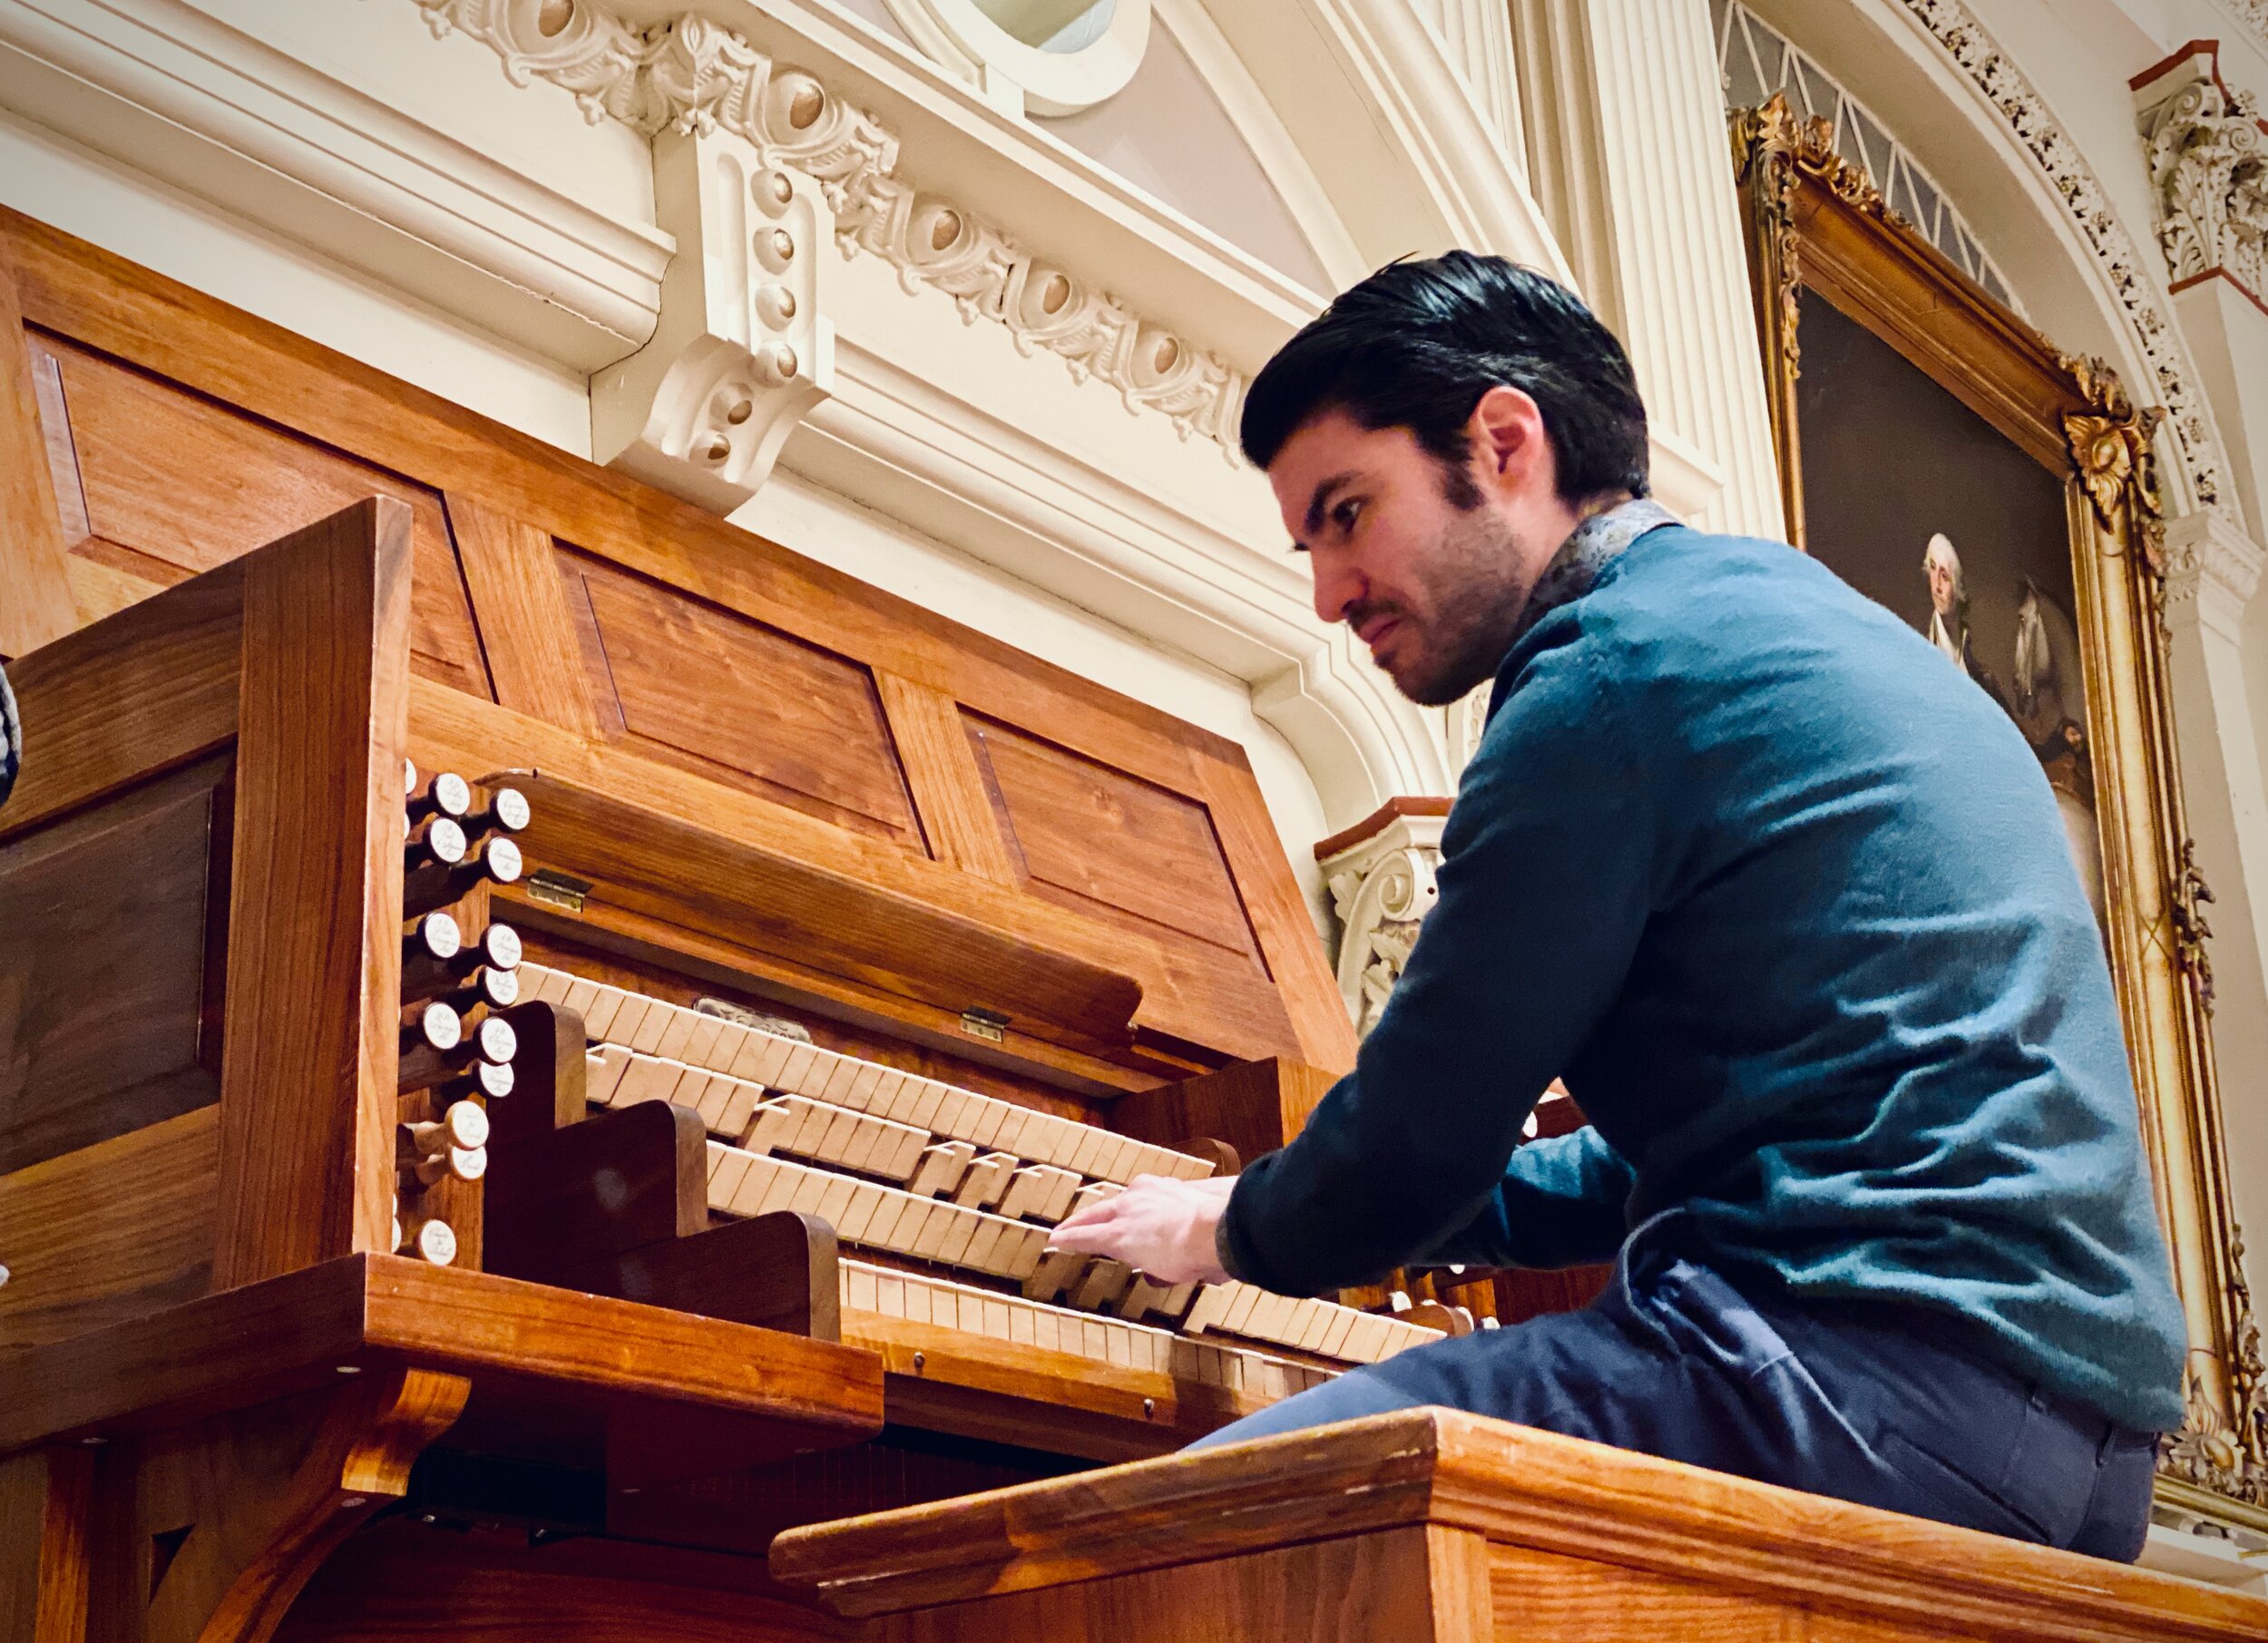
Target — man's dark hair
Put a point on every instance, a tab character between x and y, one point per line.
1417	344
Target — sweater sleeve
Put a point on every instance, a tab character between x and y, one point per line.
1546	880
1559	1203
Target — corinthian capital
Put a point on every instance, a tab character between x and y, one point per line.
1381	875
2208	153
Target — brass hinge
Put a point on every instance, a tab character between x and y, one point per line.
559	890
990	1025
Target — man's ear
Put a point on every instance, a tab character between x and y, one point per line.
1505	436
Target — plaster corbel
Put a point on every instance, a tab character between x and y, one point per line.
745	347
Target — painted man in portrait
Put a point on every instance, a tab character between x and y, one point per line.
1949	612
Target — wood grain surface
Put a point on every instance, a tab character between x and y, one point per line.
782	715
45	1507
262	1341
35	599
513	571
104	968
173	483
315	954
112	1231
1520	1488
1357	1590
131	696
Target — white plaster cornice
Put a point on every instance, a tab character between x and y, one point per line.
2252	14
183	95
688	71
2212	571
2173	381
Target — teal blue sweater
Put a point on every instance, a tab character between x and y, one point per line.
1784	898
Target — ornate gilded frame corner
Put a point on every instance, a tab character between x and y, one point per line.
1818	230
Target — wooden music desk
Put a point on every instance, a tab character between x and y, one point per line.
1437	1527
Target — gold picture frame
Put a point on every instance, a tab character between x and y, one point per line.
1820	232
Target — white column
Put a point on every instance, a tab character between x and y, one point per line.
1629	156
1478	36
2212	571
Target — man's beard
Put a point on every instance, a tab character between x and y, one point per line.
1472	599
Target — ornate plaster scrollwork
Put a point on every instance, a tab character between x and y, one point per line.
744	348
1381	888
688	76
2003	84
2209	163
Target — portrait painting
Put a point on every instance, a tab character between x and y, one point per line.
1925	507
1999	494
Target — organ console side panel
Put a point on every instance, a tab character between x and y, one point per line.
622	1115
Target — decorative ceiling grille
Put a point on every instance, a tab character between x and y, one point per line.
1756	60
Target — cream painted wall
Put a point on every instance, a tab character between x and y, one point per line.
99	199
1167	132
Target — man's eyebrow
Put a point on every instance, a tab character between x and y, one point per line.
1321	498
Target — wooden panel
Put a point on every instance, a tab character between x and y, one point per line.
1255	1106
1352	1591
63	458
403	1579
957	810
243	1346
110	1232
1544	1596
646	859
35	603
106	706
740	701
171	475
103	971
525	629
1278	909
46	1498
314	980
1105	842
558	1204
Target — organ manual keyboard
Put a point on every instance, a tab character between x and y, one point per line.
541	1035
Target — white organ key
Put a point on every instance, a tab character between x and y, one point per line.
1039	1191
987	1179
754	1047
646	1079
677	1028
1366	1340
739	1105
1009	1136
1057	1272
603	1070
1084	1154
1104	1283
606	1009
727	1166
568	991
652	1025
940	1168
978	1255
791	1073
1095	1192
700	1044
1243	1300
1145	1295
940	1108
843	1080
858	1219
862	1087
1334	1342
859	1285
1211	1307
773	1054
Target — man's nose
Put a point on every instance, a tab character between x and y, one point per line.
1338	584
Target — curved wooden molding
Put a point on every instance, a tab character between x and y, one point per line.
255	1536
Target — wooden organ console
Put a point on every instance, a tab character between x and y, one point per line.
540	1037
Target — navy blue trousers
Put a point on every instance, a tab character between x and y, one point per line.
1858	1403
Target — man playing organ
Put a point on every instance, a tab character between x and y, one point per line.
1863	1141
